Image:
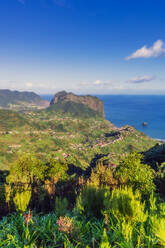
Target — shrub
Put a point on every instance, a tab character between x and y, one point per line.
90	202
56	170
126	205
65	224
22	199
157	219
133	173
102	175
26	169
159	229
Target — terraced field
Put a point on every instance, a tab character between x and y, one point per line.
76	140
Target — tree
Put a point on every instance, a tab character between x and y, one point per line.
26	169
132	172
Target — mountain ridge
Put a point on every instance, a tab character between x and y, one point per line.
62	98
20	100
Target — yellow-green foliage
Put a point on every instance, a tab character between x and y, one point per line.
29	169
73	231
159	229
102	176
126	204
162	209
9	194
104	241
140	176
26	169
22	199
57	169
157	217
90	202
127	230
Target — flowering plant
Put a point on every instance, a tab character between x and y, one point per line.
65	224
27	217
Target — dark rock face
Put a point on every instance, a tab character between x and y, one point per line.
92	102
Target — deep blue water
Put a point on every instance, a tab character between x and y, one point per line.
134	110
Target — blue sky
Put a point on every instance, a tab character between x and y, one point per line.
84	46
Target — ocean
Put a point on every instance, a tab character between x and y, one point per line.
134	110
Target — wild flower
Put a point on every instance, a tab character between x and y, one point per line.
65	224
27	217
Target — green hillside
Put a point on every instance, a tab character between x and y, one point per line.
65	101
74	139
10	120
73	109
87	174
17	100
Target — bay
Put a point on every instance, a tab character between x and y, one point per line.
134	110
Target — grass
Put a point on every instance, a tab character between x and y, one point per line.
138	227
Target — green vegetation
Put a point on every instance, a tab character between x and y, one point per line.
71	179
78	105
125	222
74	109
10	120
136	174
77	140
95	210
21	100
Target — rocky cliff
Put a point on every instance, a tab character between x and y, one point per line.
91	102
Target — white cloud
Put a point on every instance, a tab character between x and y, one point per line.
141	79
31	85
101	87
96	83
39	87
156	50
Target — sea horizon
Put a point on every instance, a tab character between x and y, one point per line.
134	110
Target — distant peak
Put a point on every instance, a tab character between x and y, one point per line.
21	100
91	102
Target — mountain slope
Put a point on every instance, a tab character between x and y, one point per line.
11	120
77	104
73	109
21	100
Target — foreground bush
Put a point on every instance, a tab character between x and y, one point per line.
90	202
126	205
103	216
102	175
48	231
137	175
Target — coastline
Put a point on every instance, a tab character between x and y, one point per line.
160	140
133	110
